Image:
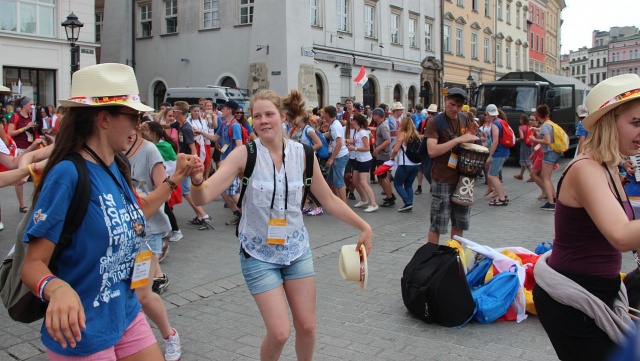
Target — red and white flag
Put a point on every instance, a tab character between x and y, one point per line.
361	78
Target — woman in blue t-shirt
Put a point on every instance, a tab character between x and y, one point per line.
92	308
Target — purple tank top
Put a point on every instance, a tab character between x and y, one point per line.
579	247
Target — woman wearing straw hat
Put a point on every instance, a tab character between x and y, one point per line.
93	309
274	244
579	297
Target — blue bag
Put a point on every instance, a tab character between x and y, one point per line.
494	298
322	152
543	248
475	277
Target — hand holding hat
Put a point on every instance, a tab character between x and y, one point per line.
353	265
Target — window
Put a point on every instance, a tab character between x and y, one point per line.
99	19
509	13
487	8
29	17
170	16
395	28
459	50
474	46
507	54
517	59
413	28
542	19
210	14
532	42
538	16
343	15
246	12
542	44
447	39
314	15
499	9
598	62
487	54
518	18
369	21
145	20
461	3
584	69
498	54
428	31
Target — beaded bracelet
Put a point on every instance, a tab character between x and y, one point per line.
44	284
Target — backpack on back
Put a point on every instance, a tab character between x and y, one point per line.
22	304
527	136
560	138
495	297
434	287
412	149
245	132
508	137
322	152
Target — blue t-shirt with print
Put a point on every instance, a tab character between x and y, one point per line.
99	262
223	132
580	131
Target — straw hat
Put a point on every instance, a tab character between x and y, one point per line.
4	89
432	108
397	106
353	265
105	85
610	94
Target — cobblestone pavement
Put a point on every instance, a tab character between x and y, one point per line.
217	318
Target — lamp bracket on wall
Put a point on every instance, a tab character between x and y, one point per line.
260	47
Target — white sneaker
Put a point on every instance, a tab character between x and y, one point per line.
1	226
176	236
371	209
360	204
172	347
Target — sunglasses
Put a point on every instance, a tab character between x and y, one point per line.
239	112
134	117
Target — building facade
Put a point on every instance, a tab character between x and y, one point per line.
578	62
624	55
34	53
537	35
553	35
597	70
315	46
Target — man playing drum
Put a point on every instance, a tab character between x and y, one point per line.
442	144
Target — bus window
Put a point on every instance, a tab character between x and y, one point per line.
563	97
509	97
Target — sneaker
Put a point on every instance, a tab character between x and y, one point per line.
316	212
235	220
371	209
388	203
405	208
165	250
548	207
360	204
176	236
160	284
199	221
307	209
172	350
352	196
1	226
418	191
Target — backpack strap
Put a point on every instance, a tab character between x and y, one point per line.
308	172
252	155
77	208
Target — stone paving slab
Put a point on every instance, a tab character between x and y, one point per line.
218	320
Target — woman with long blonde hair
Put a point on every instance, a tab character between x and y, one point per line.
407	170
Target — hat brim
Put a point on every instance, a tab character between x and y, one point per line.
592	119
363	283
136	106
4	89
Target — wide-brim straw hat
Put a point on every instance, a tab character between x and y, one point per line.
4	89
610	94
397	106
353	265
104	85
432	108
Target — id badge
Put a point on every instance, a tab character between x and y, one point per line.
224	148
29	137
141	268
453	161
277	233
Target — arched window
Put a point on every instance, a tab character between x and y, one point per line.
228	82
397	93
158	94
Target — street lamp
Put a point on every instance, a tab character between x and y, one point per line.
471	87
72	27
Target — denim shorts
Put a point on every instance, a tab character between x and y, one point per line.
551	157
496	165
186	185
336	172
263	276
155	243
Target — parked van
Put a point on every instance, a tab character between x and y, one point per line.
218	94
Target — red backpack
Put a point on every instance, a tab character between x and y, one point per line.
245	132
508	138
527	136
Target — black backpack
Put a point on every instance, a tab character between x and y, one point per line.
412	150
252	154
434	286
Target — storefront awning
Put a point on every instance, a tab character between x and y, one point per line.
372	63
332	57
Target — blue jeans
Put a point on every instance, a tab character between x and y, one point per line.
403	182
336	172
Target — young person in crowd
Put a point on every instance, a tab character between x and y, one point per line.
359	145
407	170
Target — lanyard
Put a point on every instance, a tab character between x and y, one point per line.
275	185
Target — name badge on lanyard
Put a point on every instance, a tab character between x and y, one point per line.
277	231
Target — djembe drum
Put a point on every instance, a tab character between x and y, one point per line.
471	162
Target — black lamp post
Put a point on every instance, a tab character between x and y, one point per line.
471	87
72	27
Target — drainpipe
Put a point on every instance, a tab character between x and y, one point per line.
440	98
133	35
495	43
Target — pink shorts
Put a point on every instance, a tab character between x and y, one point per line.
136	338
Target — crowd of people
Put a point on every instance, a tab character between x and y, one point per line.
143	162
